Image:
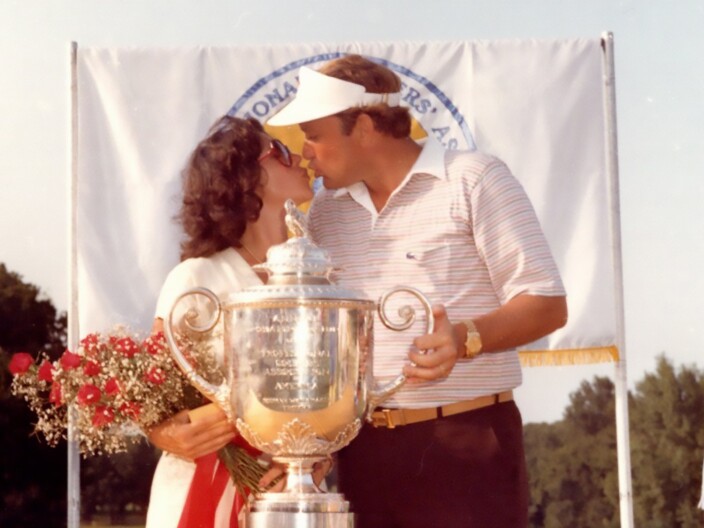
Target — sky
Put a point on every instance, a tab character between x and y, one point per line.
660	112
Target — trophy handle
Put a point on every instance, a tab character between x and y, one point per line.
219	394
408	316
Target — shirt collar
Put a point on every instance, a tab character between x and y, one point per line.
431	161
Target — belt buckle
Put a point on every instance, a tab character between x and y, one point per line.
383	418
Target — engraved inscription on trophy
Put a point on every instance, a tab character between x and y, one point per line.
291	356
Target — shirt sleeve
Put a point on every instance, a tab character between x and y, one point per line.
509	237
180	279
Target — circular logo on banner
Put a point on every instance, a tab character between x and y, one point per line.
433	112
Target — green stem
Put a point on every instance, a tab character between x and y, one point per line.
245	471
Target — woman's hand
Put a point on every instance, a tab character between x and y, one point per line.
191	440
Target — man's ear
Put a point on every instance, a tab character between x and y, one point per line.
364	129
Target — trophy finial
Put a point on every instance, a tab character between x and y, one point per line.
295	220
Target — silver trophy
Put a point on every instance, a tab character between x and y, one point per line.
298	355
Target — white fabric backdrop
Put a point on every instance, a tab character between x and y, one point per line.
535	104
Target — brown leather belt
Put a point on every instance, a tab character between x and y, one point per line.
391	418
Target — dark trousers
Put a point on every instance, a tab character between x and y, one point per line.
463	471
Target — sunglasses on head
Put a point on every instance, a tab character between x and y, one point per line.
279	152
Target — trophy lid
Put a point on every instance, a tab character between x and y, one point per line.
298	269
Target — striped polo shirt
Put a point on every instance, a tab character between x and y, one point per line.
459	228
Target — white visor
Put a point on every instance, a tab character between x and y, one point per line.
320	96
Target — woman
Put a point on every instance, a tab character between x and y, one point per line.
234	189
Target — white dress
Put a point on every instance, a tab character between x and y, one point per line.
222	273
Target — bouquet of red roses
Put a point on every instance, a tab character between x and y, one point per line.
118	385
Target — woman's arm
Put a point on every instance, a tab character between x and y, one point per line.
190	440
187	439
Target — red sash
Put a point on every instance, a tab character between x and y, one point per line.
207	488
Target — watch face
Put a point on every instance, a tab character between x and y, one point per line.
473	343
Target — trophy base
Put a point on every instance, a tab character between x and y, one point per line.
300	510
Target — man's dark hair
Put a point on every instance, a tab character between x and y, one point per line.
394	121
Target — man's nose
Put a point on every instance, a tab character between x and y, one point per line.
307	152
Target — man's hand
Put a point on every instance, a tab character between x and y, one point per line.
191	440
522	320
274	480
438	351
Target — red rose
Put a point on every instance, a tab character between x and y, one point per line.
55	395
112	386
103	416
69	360
20	363
127	346
90	344
45	371
130	409
91	368
155	343
88	394
155	375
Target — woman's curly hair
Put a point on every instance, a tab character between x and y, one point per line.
219	187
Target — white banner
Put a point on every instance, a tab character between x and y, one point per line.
535	104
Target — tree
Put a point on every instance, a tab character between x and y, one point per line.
573	466
33	484
572	463
117	487
667	442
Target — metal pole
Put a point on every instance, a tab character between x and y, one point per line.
74	460
621	380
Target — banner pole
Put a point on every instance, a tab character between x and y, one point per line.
621	381
74	461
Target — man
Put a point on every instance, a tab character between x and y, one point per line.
447	449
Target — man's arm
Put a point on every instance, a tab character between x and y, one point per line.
522	320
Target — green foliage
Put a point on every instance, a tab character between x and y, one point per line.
573	465
116	487
33	483
28	322
667	444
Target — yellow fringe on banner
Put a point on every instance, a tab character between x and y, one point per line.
576	356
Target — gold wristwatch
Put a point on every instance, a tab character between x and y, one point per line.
473	341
